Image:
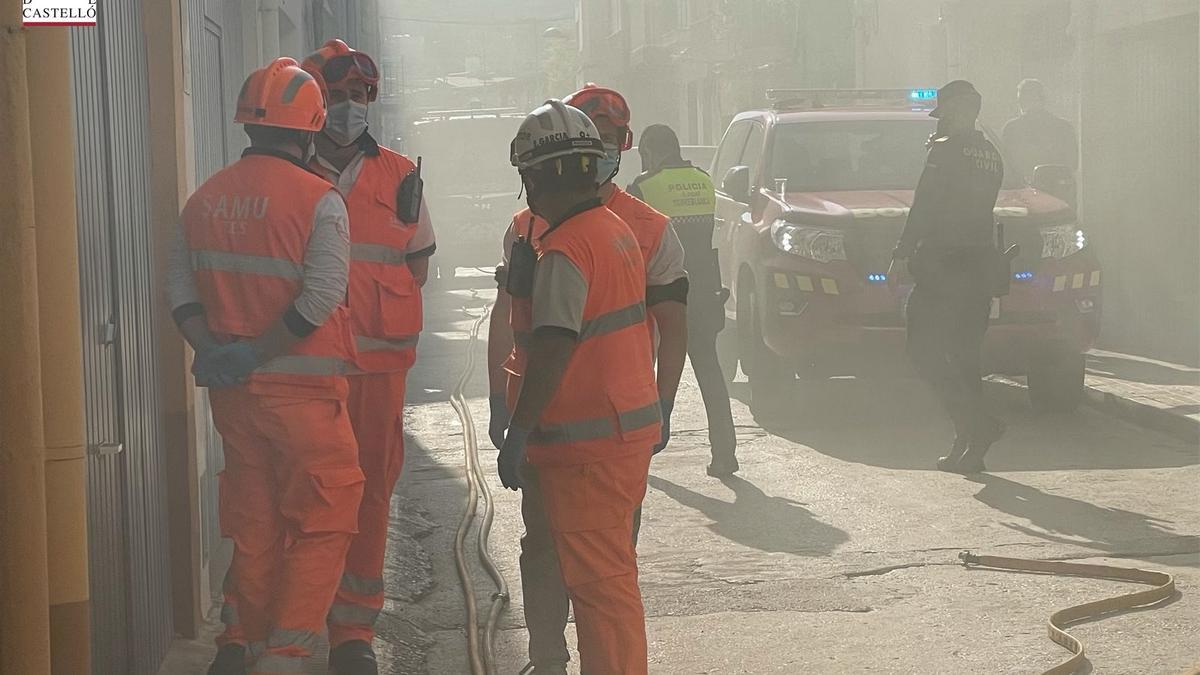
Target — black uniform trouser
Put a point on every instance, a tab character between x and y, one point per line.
706	318
945	337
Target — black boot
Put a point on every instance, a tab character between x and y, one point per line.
353	658
989	432
950	462
230	660
544	669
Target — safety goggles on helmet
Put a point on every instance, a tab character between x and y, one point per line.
602	102
344	66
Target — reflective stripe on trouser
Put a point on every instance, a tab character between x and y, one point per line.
289	498
286	652
369	344
376	405
590	511
545	603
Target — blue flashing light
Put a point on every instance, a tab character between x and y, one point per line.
1023	276
876	278
923	94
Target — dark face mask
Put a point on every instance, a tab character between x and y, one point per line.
532	195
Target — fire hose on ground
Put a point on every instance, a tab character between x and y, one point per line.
482	658
1162	590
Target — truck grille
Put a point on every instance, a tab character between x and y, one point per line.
870	248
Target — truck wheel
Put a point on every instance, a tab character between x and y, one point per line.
770	377
1056	381
727	352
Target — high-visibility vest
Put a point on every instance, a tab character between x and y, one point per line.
247	229
385	300
685	195
607	403
648	227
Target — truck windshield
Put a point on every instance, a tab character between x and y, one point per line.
854	155
851	155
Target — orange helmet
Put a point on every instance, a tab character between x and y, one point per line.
337	61
597	102
281	94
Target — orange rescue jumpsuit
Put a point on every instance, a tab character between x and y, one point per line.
290	491
546	603
590	453
385	304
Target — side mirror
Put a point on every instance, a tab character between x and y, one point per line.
1055	179
736	183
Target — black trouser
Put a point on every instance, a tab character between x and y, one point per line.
945	337
706	318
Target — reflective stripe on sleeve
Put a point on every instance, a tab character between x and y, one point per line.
595	429
378	253
224	261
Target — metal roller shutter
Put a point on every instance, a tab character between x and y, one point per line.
131	595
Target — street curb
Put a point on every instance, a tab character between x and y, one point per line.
1180	426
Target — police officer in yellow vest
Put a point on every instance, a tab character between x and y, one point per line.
685	193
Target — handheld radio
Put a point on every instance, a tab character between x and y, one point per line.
521	261
409	194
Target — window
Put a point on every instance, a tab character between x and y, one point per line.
866	155
730	150
615	11
754	150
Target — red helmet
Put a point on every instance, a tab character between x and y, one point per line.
280	94
336	61
597	102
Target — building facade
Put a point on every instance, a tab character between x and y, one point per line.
148	98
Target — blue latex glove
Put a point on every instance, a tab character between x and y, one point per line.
498	423
667	408
232	362
512	457
206	371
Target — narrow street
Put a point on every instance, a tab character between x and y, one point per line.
835	549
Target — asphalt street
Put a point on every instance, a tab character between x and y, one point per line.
835	548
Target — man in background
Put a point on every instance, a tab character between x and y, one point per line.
1037	136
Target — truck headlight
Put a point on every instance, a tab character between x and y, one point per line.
815	243
1061	241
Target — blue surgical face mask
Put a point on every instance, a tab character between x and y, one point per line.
606	167
346	121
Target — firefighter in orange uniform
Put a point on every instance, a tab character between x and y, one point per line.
256	284
586	415
391	241
545	600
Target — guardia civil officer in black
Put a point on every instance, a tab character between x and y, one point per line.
950	247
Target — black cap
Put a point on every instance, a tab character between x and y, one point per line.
957	89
